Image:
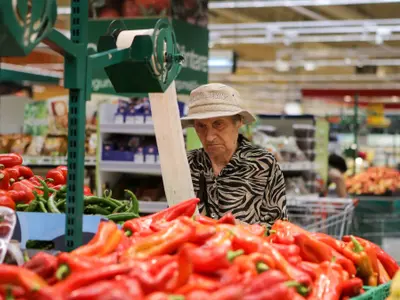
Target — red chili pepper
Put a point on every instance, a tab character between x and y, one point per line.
185	269
256	229
294	260
4	180
387	261
364	261
198	282
33	285
198	295
132	286
315	251
205	220
104	242
309	267
25	172
43	264
186	208
230	292
328	285
383	275
252	243
227	219
65	287
163	242
57	176
11	291
254	263
287	250
269	278
7	201
94	291
282	290
283	231
352	287
9	160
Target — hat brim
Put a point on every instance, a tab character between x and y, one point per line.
188	121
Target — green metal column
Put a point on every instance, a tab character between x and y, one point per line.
75	80
356	130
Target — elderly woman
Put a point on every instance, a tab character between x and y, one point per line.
229	173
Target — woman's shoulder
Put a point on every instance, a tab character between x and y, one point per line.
253	152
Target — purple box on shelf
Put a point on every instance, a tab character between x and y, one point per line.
150	154
134	115
119	116
116	155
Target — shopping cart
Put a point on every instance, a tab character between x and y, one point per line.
331	216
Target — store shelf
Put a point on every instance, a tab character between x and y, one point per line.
151	207
130	167
54	160
139	129
297	166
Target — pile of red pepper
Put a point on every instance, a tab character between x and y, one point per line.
19	185
172	255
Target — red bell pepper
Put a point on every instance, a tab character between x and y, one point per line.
254	263
7	201
4	180
64	170
205	220
9	160
315	251
87	191
104	242
24	172
268	278
13	173
35	180
21	196
329	282
281	290
43	264
387	261
57	176
142	225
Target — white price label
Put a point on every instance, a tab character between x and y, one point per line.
149	120
130	120
139	158
119	119
150	159
139	119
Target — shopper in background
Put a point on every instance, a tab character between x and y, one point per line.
229	173
337	169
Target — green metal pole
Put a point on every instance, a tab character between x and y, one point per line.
356	129
75	80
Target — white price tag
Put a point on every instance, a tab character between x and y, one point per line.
119	119
139	119
149	120
139	158
150	159
130	120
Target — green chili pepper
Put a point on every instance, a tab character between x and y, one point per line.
134	202
117	217
100	201
22	207
45	188
42	207
96	210
32	206
61	204
121	208
52	205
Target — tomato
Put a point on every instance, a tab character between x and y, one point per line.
130	9
109	13
157	5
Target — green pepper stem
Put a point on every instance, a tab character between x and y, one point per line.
176	297
128	233
292	284
357	246
26	256
62	272
231	255
261	267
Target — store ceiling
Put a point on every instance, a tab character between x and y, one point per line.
260	57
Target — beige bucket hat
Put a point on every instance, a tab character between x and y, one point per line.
215	100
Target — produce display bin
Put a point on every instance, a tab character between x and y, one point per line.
375	293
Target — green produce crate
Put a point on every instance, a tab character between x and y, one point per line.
375	293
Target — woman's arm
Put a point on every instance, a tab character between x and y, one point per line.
336	177
274	207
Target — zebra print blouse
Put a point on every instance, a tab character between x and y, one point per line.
251	186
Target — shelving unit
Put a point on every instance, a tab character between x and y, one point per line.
90	161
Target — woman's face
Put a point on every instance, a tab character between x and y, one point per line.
218	135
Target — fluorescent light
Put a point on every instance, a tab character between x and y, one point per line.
63	10
291	3
219	63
